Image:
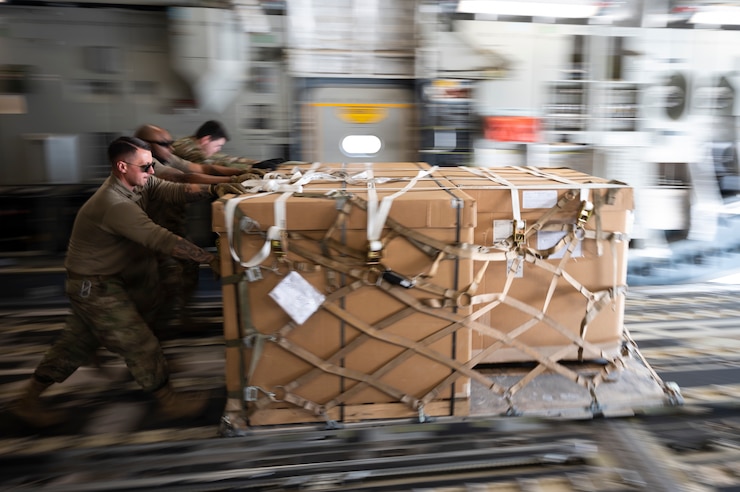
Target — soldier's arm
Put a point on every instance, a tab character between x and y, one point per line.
219	170
186	250
231	161
177	176
197	191
191	192
198	178
209	169
170	174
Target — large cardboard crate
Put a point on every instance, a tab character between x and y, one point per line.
566	303
373	349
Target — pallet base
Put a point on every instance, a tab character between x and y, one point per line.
632	390
627	392
355	413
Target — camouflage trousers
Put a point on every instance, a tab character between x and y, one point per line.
179	281
105	312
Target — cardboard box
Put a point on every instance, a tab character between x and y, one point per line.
549	310
364	353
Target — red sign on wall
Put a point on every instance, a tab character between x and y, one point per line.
511	128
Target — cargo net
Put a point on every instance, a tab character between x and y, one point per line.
546	384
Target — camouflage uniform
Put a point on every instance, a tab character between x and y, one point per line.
168	215
104	314
187	148
109	291
178	277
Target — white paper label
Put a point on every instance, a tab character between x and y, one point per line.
539	198
502	229
297	297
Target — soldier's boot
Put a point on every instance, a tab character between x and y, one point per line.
31	410
177	405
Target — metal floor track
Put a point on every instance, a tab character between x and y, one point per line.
115	441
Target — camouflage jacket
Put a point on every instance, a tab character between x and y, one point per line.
187	148
172	217
112	224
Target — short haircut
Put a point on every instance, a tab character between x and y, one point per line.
213	129
125	147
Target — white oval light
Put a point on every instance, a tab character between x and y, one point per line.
360	145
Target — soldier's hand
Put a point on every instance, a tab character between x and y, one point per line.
246	177
270	164
215	265
222	189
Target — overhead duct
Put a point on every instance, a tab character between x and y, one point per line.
208	49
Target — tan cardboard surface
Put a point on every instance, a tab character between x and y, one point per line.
364	335
367	336
595	266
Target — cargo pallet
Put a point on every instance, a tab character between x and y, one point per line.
400	291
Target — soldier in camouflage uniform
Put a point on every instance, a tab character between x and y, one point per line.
204	147
108	230
175	167
178	276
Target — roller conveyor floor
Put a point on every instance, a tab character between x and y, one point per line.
114	440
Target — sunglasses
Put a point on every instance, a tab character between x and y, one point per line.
145	168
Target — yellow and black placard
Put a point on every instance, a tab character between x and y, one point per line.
363	114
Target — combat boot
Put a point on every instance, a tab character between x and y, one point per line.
30	409
177	405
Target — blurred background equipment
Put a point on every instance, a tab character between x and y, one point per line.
640	92
643	92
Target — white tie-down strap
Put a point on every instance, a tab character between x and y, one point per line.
584	188
534	171
281	185
378	213
587	206
281	209
585	199
367	175
515	205
274	232
273	182
229	210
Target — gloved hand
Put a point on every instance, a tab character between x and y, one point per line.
270	164
222	189
246	177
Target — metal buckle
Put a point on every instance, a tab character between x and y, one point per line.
253	274
85	288
518	231
374	252
585	213
277	247
251	392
